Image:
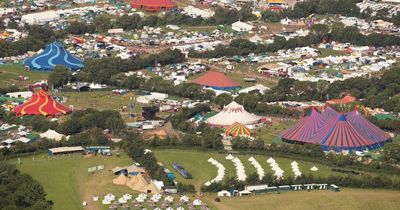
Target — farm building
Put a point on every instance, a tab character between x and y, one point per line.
65	150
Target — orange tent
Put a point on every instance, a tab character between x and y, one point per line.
344	100
238	129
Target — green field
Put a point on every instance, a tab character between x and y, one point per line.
270	133
347	199
101	100
9	76
196	163
67	182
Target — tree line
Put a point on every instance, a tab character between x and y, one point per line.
38	37
379	91
338	32
310	7
102	23
20	191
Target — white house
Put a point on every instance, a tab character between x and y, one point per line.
241	26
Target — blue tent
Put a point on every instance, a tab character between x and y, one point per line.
54	54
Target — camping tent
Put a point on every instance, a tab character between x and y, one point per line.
233	113
41	103
54	54
153	5
238	129
305	128
216	80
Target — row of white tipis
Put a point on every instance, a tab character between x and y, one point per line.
258	167
220	173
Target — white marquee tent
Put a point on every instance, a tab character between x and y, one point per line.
52	134
232	113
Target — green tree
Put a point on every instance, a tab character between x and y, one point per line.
59	77
223	99
391	152
102	23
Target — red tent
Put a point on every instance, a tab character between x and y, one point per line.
216	80
41	103
153	5
344	100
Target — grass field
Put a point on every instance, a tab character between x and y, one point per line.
101	100
67	182
347	199
270	133
196	163
9	76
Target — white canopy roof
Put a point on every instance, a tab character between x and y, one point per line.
23	139
232	113
52	134
258	87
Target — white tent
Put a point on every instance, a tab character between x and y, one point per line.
224	193
314	168
258	87
52	134
241	26
40	18
256	39
232	113
23	139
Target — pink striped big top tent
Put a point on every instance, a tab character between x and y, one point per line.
336	131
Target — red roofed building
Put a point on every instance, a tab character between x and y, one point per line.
153	5
217	80
41	103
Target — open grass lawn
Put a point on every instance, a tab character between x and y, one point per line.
9	76
67	182
101	100
196	163
270	133
347	199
